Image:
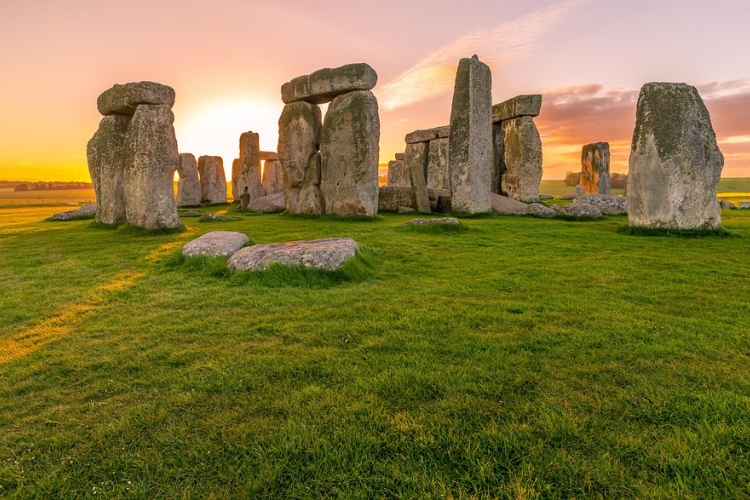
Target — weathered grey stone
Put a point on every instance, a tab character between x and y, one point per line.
326	84
608	204
578	210
744	205
85	212
450	221
329	254
217	218
497	170
595	168
398	175
522	105
502	205
151	158
416	164
675	161
470	152
350	149
273	179
189	185
106	165
546	197
269	204
246	171
215	244
728	204
393	198
123	99
400	156
269	155
440	200
438	172
300	127
569	196
190	213
213	180
428	135
522	159
579	190
539	210
406	210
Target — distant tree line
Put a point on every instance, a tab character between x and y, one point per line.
616	181
52	186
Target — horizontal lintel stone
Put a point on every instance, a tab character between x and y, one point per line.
522	105
428	135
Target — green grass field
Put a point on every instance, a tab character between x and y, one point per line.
520	358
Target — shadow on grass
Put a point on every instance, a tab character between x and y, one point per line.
131	230
356	270
577	218
676	233
70	219
434	228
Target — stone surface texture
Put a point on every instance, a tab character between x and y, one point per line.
246	171
470	150
608	204
330	254
539	210
502	205
350	150
189	185
269	155
151	158
727	204
438	170
213	180
452	221
595	168
416	163
744	205
273	179
522	105
215	244
300	127
85	212
398	176
675	161
269	204
123	99
392	198
522	159
578	209
326	84
106	164
428	135
440	200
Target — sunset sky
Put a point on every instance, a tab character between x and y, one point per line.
227	60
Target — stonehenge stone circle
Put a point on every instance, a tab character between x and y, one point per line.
398	175
595	168
350	149
438	171
300	126
330	254
416	164
470	150
213	180
150	150
246	170
428	135
189	185
517	148
133	156
675	161
273	180
324	85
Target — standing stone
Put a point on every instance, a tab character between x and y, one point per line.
675	161
522	159
498	159
416	163
350	149
470	150
396	173
300	127
438	173
150	156
189	185
595	168
104	153
273	180
213	180
246	172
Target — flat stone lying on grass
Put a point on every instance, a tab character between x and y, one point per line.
190	213
269	204
579	210
502	205
85	212
451	221
216	244
728	204
329	254
546	197
744	205
608	204
216	218
569	196
539	210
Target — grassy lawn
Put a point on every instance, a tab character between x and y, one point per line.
521	358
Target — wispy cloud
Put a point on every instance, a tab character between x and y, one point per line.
507	42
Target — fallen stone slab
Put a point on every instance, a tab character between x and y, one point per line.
393	198
502	205
268	204
123	99
330	254
324	85
428	135
539	210
441	220
522	105
216	218
85	212
216	244
190	213
578	210
608	204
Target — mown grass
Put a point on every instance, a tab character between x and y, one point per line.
520	358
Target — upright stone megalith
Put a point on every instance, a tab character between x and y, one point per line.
150	153
273	180
300	127
189	185
470	149
675	161
417	156
105	159
350	149
213	180
595	168
246	170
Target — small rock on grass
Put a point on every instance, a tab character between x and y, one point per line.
85	212
579	210
216	218
329	254
216	244
442	220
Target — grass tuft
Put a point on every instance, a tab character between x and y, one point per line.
676	233
577	218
